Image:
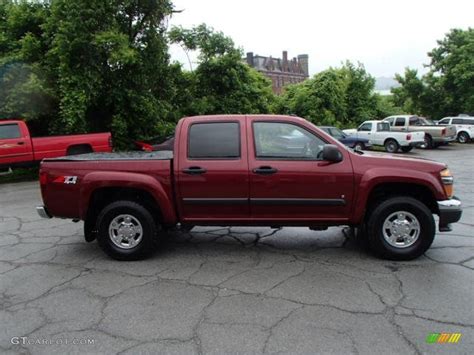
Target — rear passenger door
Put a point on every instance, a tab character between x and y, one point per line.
212	173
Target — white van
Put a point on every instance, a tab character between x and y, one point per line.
464	127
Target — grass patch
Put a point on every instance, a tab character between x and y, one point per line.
19	175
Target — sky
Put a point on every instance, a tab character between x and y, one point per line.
386	36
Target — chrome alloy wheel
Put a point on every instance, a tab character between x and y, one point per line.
125	231
401	229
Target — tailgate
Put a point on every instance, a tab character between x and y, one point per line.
450	131
418	136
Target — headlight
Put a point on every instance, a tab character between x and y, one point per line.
448	180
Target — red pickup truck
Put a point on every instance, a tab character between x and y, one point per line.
18	148
257	170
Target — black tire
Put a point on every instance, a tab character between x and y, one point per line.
407	149
391	146
375	228
359	146
463	137
150	236
428	142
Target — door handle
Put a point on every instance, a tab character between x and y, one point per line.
194	170
20	143
265	170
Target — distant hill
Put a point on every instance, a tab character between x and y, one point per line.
385	83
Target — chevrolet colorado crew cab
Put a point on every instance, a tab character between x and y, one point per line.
255	170
18	148
379	133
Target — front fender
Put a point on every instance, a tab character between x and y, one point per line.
96	180
382	175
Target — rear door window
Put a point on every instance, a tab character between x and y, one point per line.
400	122
214	140
414	121
9	131
458	121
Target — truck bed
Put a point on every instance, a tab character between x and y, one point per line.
73	178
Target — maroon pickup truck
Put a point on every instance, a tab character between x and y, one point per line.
257	170
18	148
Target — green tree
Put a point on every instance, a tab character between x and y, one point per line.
222	82
336	96
411	95
111	60
25	86
448	88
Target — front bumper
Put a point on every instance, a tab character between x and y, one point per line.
450	211
43	212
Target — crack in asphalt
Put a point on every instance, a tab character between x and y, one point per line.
267	264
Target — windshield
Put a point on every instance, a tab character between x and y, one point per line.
337	133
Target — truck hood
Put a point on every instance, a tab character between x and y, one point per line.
398	162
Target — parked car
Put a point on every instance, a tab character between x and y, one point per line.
357	143
230	170
18	148
434	134
156	144
464	127
379	133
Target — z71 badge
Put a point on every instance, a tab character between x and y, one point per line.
66	180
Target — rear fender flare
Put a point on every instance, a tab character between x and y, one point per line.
97	180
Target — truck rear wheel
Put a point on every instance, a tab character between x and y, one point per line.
127	231
391	146
428	142
400	228
463	137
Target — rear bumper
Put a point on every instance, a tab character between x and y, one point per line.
444	139
450	211
43	212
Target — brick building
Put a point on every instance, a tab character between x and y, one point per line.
280	71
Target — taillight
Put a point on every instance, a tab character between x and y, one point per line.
147	147
443	132
43	178
408	137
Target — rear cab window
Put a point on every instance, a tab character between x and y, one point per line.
214	140
9	131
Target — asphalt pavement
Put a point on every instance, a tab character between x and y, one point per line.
233	290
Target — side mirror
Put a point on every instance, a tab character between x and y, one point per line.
331	153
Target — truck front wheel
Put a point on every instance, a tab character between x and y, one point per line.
400	228
127	231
